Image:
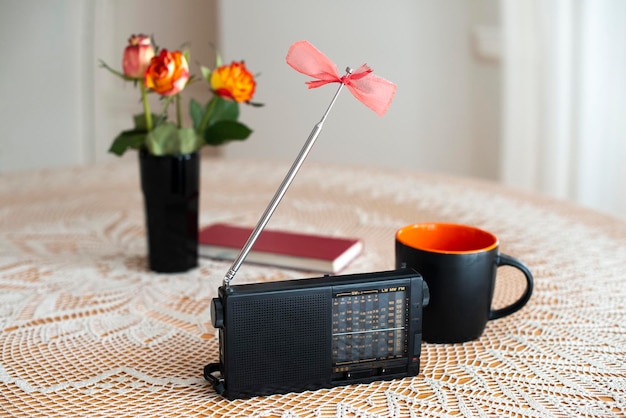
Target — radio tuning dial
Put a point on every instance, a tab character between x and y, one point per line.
217	313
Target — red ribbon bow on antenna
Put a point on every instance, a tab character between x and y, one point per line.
373	91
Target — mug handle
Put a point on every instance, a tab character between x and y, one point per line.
506	260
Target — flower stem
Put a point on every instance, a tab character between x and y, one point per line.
178	112
166	105
207	115
146	107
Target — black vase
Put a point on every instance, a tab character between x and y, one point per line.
170	186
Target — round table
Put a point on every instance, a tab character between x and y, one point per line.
87	329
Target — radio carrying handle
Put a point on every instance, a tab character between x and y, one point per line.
217	382
282	189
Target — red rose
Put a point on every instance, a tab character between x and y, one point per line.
137	56
168	73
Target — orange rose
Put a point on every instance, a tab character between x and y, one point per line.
168	73
137	56
233	82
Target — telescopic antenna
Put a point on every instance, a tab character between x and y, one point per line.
281	190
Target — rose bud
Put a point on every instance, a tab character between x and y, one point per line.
233	82
168	73
137	56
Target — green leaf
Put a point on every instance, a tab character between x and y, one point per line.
217	109
168	139
187	54
117	73
224	131
127	139
189	141
218	60
162	139
140	121
206	73
224	110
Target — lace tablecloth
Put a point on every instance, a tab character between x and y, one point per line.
87	330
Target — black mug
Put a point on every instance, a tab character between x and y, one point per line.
459	264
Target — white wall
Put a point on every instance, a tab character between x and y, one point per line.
423	46
485	95
45	94
59	108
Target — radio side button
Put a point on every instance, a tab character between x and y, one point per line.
217	313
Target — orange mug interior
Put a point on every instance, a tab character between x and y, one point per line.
446	238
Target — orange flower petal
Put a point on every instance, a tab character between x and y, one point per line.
168	73
233	82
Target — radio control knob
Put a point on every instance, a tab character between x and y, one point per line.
217	313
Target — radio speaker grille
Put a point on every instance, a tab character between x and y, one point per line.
282	338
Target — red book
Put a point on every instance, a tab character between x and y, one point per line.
280	248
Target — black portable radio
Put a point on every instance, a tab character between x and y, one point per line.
306	334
